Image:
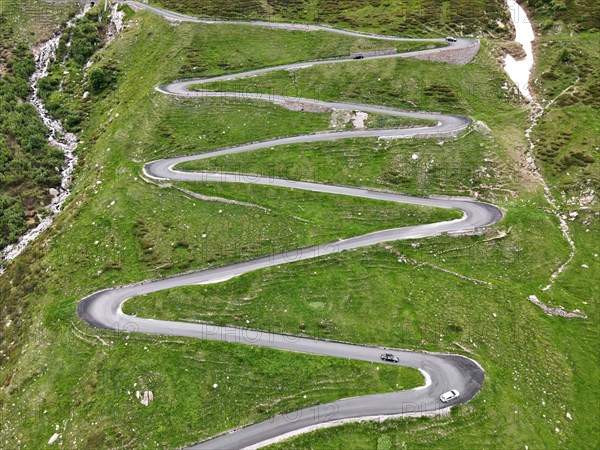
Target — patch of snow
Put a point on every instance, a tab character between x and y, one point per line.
520	71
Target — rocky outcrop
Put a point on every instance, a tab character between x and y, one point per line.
559	312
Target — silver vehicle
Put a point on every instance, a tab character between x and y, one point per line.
450	395
451	39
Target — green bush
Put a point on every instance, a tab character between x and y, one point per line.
12	220
100	79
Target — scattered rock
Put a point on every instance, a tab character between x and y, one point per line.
340	119
559	312
514	49
146	398
358	120
53	438
482	128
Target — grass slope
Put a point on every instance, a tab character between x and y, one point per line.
414	18
119	229
486	316
567	73
465	295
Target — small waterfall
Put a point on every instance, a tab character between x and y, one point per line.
57	137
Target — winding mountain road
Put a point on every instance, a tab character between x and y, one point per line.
442	372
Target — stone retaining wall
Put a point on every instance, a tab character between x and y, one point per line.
460	56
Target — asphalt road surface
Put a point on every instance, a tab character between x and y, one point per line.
442	372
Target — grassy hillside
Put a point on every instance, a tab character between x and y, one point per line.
575	15
119	229
565	80
414	294
406	18
464	295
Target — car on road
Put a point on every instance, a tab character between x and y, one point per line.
451	39
359	56
389	357
450	395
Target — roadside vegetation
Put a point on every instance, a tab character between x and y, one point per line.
464	295
471	89
416	18
241	48
422	167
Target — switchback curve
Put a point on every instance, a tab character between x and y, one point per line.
442	371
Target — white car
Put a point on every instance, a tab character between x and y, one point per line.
450	395
451	39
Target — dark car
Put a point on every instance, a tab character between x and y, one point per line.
389	357
359	56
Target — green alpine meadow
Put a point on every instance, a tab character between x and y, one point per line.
343	248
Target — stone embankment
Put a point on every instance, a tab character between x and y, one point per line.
458	55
